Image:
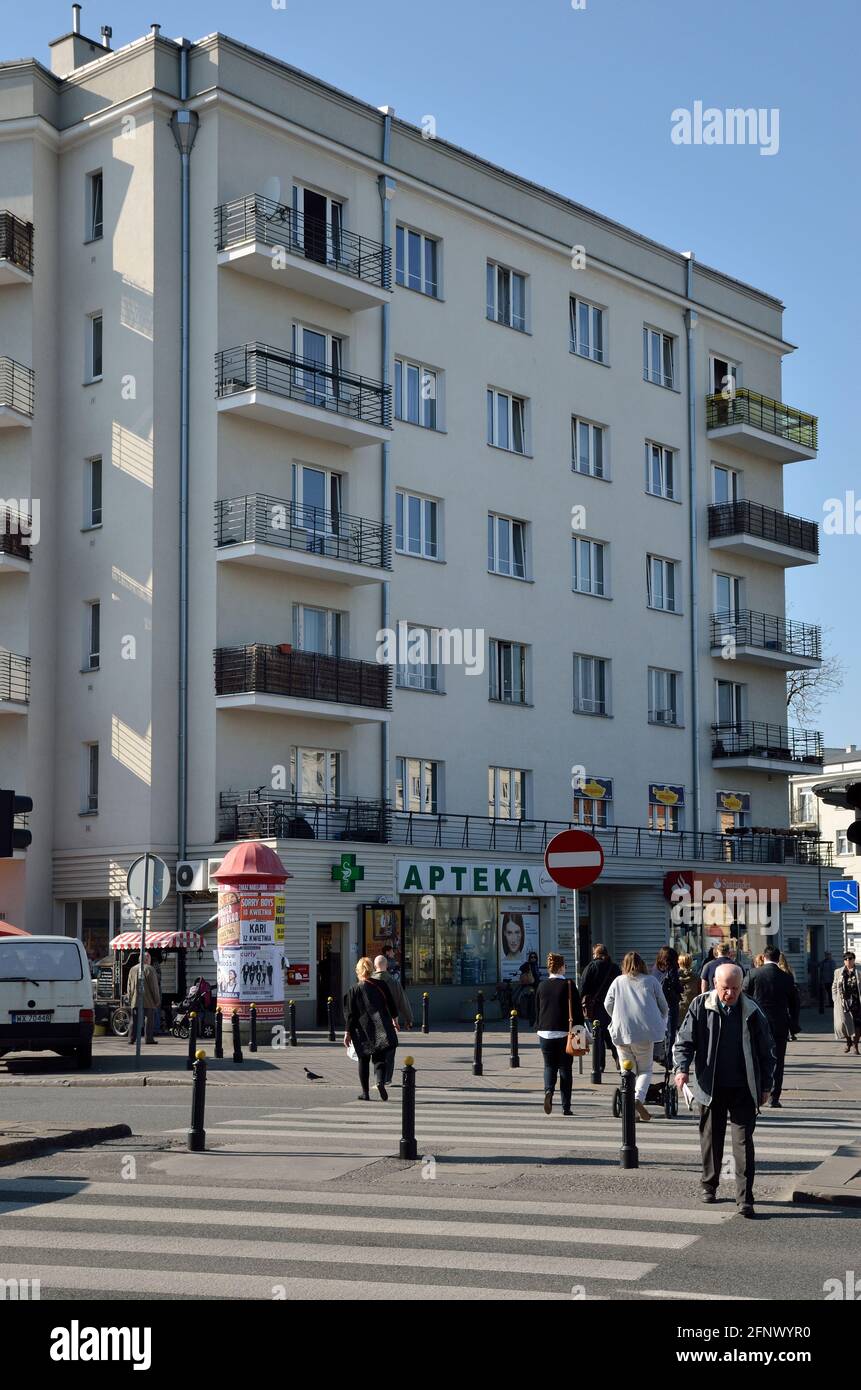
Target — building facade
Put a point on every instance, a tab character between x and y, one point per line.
390	507
824	820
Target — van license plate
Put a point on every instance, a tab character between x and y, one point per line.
33	1018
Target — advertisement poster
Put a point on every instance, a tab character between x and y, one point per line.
251	974
383	935
299	975
518	934
247	915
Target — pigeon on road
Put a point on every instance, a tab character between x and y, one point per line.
311	1075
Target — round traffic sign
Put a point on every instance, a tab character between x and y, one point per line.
574	859
152	878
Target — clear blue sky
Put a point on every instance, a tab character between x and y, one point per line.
580	100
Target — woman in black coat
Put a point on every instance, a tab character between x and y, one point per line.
370	1027
557	1000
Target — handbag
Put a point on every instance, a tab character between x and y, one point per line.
576	1044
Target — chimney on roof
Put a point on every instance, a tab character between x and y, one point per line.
155	30
73	50
107	34
76	19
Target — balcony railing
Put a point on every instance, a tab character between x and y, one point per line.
255	366
264	815
16	386
260	219
14	678
751	738
16	241
11	541
762	413
765	523
262	669
767	632
274	521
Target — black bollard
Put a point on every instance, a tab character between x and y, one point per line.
425	1012
477	1068
192	1040
628	1155
596	1052
294	1041
479	1000
237	1038
408	1147
252	1046
197	1134
219	1028
330	1010
514	1060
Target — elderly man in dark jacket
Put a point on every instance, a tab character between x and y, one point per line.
727	1037
775	991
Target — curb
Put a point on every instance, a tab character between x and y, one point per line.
827	1196
12	1150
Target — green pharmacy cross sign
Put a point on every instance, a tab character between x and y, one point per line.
348	872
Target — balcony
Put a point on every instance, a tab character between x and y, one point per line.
14	683
767	747
15	552
16	250
278	679
749	528
301	394
766	640
16	394
266	815
272	242
759	425
272	533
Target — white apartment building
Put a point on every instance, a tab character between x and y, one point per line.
278	374
815	810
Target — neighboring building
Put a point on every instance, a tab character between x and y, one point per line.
828	823
405	407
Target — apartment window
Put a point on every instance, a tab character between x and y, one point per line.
662	584
93	492
318	224
415	394
417	261
661	479
506	546
806	809
95	206
316	502
726	484
591	684
506	793
94	347
315	773
659	357
666	817
588	452
93	612
421	669
90	800
593	803
665	688
508	672
730	701
506	421
724	376
506	296
416	785
417	525
323	360
322	630
842	843
591	568
586	329
728	595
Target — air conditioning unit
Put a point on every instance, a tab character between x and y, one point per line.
191	876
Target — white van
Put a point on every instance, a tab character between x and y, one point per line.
46	997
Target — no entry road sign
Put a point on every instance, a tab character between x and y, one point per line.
574	859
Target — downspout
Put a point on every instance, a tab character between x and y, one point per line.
184	125
691	321
387	190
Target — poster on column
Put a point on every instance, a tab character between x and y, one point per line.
247	915
252	975
518	934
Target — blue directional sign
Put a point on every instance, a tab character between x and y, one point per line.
843	895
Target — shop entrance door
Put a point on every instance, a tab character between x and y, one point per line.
332	939
815	949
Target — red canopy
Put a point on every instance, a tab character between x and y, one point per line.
6	929
158	940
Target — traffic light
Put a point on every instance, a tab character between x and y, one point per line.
853	799
10	838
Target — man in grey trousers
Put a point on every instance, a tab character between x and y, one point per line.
401	1011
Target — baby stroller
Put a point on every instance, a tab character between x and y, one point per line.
201	999
662	1093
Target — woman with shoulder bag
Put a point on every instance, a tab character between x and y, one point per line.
558	1011
370	1027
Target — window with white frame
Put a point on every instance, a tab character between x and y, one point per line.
726	484
322	630
591	567
591	684
318	225
587	329
416	393
508	671
92	635
416	261
416	785
95	206
93	492
661	472
588	447
316	501
322	359
590	809
806	806
730	703
506	296
417	525
666	817
90	790
506	546
421	669
94	347
315	773
506	793
662	584
665	696
506	421
659	357
729	595
842	843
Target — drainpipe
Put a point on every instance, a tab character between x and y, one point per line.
691	321
184	125
387	191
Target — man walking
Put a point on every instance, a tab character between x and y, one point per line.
775	991
596	979
151	998
727	1037
400	1005
722	954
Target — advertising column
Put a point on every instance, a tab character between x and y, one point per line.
251	961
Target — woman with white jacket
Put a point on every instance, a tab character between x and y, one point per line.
638	1019
846	994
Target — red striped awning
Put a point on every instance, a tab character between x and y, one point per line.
158	940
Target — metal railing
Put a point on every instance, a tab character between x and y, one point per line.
256	366
766	523
273	670
16	386
256	218
11	540
275	521
14	678
768	632
761	412
16	241
266	815
752	738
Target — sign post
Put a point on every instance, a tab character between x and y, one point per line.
844	895
147	884
574	859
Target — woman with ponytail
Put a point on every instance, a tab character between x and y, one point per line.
557	1007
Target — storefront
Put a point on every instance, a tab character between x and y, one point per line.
740	910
